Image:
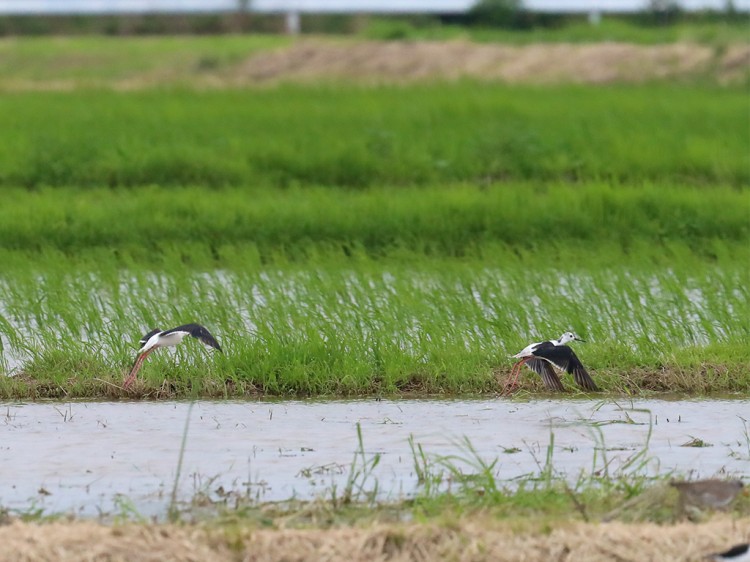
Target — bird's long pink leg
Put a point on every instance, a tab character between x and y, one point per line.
510	385
136	367
511	378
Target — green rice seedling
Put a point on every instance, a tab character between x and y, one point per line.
465	481
429	479
173	511
233	228
370	326
127	512
631	474
360	484
368	137
482	478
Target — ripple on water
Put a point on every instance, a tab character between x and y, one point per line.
79	457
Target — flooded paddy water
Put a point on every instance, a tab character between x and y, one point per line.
93	458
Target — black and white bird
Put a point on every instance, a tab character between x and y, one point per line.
738	553
544	357
169	338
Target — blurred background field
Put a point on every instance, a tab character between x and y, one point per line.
350	137
394	205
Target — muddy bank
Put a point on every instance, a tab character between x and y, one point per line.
595	63
319	59
473	539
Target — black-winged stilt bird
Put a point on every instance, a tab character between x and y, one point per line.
738	553
157	338
541	357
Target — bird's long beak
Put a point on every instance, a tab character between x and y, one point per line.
579	339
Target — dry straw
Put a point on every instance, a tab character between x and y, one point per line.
475	539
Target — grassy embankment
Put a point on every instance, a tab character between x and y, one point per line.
346	240
65	62
718	33
707	53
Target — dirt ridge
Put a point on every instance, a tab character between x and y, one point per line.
592	63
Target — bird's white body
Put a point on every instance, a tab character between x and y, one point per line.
162	340
528	351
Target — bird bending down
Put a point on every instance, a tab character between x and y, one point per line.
169	338
543	356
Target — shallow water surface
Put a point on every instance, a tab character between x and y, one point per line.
91	458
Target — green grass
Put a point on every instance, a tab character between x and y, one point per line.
358	327
324	291
573	31
359	137
350	240
300	224
92	60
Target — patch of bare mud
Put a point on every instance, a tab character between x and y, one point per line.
735	63
311	60
381	62
474	539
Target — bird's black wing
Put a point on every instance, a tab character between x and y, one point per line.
581	376
550	378
566	360
147	337
734	552
197	331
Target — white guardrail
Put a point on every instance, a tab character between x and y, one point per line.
8	7
294	8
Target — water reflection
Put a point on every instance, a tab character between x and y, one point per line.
79	457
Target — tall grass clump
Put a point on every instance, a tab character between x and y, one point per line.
465	480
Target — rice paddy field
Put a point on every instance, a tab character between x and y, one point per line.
379	239
360	240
